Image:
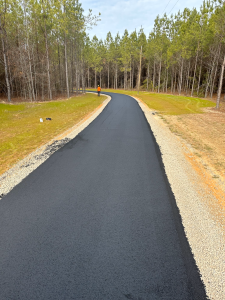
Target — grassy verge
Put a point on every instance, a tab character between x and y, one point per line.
169	104
21	129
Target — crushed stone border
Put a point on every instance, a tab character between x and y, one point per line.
205	236
13	176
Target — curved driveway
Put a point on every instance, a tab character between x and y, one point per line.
98	220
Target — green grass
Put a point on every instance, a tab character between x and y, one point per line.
21	129
169	104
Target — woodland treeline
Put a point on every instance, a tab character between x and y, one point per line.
184	53
46	51
42	47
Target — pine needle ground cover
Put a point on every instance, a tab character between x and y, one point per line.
21	129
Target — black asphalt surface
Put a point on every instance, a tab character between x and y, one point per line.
98	220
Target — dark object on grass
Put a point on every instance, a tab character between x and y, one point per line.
49	119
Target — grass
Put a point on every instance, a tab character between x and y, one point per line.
21	129
169	104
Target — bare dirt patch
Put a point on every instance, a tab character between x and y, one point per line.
204	137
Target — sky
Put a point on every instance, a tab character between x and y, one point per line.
118	15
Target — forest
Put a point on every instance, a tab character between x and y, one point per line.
46	52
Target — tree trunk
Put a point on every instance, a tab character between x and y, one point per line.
220	84
71	74
66	68
187	83
171	84
159	79
82	80
139	76
147	76
193	83
35	83
199	78
213	77
9	72
153	84
166	79
213	83
29	57
108	75
31	75
125	79
132	81
207	84
130	73
181	75
88	77
22	67
79	71
209	78
5	62
175	83
116	75
42	85
76	77
59	66
48	65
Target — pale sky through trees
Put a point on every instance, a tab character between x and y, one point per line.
118	15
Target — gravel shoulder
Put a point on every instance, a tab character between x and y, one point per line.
23	168
201	215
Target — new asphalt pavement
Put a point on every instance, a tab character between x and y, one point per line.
98	220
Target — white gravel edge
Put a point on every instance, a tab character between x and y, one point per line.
203	233
23	168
